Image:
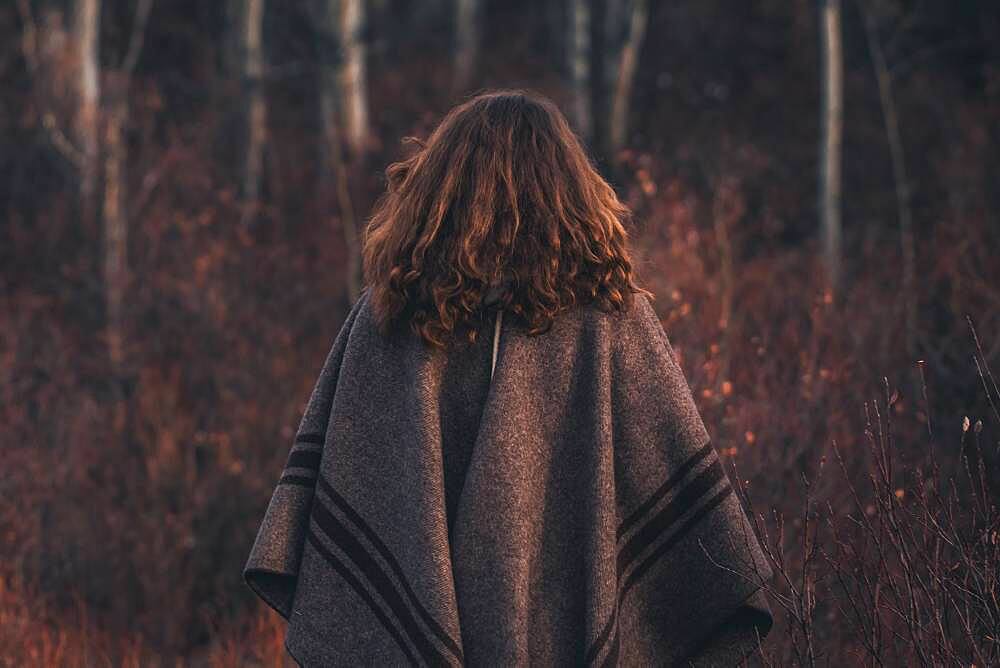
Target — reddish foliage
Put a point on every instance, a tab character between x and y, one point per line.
132	548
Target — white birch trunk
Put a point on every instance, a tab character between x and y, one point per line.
86	32
832	72
354	77
335	105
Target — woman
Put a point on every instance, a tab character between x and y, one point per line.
501	462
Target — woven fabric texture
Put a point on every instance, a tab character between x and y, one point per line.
570	511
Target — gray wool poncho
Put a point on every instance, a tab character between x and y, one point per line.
569	511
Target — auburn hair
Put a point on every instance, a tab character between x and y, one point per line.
502	194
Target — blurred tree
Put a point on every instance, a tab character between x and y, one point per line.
832	64
627	63
247	17
46	49
355	76
86	35
115	104
343	104
99	122
579	59
603	45
345	78
467	38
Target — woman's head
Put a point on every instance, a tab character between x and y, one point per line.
502	192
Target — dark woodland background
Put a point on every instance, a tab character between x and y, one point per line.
183	186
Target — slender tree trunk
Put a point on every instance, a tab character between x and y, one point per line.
354	77
721	222
898	156
86	33
337	176
832	59
115	207
467	36
617	31
609	32
336	111
44	50
609	27
579	60
727	210
603	33
252	67
628	62
115	215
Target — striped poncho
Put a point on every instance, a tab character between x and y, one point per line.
562	505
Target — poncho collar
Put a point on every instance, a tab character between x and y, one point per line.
495	291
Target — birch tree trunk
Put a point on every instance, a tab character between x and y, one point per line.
466	43
251	15
579	61
115	204
628	62
354	76
343	111
832	67
86	34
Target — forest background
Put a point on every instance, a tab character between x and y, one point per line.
183	185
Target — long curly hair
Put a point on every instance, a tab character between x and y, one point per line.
502	195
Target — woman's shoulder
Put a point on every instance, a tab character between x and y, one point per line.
635	321
635	312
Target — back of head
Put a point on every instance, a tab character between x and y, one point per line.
502	195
